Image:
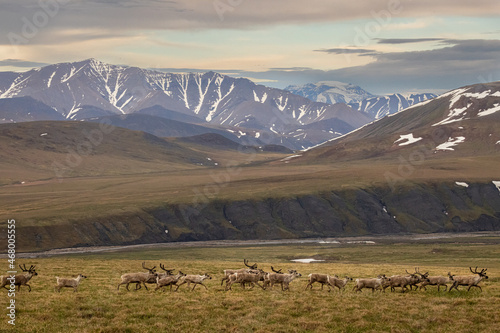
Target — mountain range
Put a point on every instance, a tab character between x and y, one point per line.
375	107
93	89
298	117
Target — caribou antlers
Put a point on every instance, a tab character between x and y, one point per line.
169	271
276	271
151	270
254	266
32	268
482	273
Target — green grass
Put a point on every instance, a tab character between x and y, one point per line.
99	307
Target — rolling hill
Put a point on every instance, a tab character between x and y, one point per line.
69	149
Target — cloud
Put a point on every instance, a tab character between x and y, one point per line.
463	62
21	63
132	15
290	68
407	40
458	63
346	51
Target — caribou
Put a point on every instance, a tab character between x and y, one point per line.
169	280
469	280
229	272
152	279
244	277
334	281
195	279
69	283
319	278
19	279
283	279
436	281
139	278
373	283
402	281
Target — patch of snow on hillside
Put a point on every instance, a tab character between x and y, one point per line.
305	261
409	139
494	109
483	94
288	158
497	184
451	143
458	114
462	184
453	116
412	107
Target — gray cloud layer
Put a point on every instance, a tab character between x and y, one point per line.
21	63
122	16
456	62
460	63
339	50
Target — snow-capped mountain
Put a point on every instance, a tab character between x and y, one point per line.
380	106
91	88
359	99
330	92
462	122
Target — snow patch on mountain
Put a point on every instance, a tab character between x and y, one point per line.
452	142
487	112
409	139
260	100
459	111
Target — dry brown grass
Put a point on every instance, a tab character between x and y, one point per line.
99	307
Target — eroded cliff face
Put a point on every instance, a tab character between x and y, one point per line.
414	208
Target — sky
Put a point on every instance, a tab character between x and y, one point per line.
383	46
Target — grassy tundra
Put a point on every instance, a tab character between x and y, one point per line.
99	307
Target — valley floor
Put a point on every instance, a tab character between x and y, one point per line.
372	239
99	307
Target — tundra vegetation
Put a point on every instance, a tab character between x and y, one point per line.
99	307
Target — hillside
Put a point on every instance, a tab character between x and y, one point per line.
69	149
161	126
461	123
22	109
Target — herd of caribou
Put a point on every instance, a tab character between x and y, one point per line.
253	276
